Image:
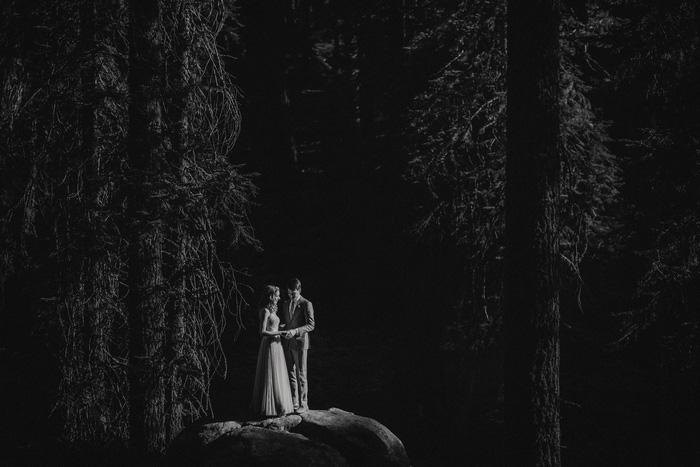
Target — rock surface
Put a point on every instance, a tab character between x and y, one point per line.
319	438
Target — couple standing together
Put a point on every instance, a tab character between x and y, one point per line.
281	385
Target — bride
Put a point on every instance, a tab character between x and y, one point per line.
272	395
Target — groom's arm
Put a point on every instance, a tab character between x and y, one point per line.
310	324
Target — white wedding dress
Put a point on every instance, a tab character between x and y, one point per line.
271	392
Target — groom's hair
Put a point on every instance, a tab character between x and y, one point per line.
294	284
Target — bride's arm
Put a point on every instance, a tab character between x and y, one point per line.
264	317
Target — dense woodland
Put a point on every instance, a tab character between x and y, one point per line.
161	161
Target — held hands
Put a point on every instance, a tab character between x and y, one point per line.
287	334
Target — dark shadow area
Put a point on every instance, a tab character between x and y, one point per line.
331	113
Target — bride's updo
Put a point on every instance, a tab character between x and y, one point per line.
267	298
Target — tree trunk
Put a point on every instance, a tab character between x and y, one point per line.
97	259
531	282
146	298
179	82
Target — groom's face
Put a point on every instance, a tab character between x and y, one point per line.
294	294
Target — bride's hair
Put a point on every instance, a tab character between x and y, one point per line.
266	298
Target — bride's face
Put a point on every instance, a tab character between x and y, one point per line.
276	297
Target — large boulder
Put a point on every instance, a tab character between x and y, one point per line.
321	438
361	440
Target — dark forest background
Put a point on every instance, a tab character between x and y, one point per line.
358	146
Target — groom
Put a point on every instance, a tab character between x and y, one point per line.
298	319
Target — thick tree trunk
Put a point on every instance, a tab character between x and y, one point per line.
531	282
97	259
175	339
146	297
179	82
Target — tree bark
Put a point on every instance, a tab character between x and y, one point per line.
146	297
531	282
98	269
179	83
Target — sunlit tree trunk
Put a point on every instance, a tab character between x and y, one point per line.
97	260
74	196
179	82
531	282
144	215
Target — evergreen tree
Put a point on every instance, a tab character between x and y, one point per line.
144	218
531	278
112	213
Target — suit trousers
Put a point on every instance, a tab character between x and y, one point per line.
296	365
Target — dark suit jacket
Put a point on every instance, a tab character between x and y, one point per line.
302	321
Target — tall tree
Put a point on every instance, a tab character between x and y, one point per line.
99	259
121	220
531	279
65	103
458	124
201	125
144	215
179	27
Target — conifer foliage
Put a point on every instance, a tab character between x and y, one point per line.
117	121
